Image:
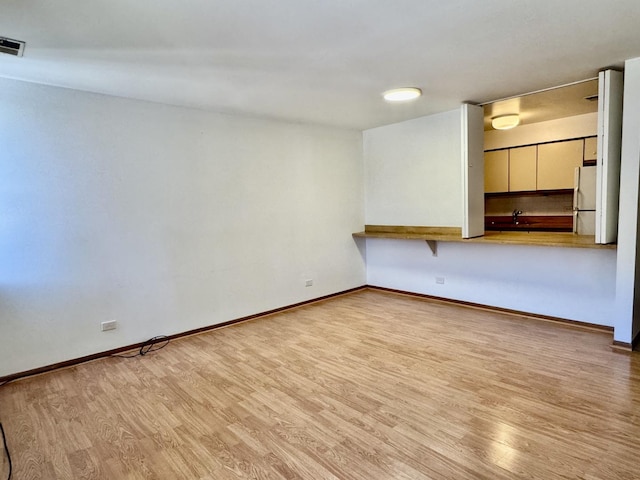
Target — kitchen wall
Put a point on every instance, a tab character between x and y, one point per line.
577	284
165	219
530	205
528	134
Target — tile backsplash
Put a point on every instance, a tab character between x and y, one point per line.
552	204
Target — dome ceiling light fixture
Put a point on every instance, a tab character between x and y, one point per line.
505	122
402	94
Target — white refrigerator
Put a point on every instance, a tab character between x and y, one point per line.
584	201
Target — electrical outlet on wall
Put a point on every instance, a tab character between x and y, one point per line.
308	282
109	325
440	280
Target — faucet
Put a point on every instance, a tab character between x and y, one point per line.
515	214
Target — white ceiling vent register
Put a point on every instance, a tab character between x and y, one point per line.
12	47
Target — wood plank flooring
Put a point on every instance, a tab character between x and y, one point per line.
365	386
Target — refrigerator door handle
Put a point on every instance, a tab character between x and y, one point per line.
575	220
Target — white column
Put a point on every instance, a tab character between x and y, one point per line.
627	311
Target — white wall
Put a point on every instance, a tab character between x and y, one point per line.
163	218
572	283
411	169
560	129
577	284
627	311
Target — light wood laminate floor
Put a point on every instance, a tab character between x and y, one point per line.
366	386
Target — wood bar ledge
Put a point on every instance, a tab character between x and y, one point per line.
454	234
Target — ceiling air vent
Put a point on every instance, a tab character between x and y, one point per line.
12	47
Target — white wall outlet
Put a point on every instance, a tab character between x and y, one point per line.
308	283
109	325
440	280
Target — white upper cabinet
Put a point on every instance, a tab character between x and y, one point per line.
496	171
590	149
557	163
522	169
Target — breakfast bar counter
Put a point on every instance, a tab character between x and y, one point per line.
454	234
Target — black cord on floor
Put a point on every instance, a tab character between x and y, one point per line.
6	449
149	346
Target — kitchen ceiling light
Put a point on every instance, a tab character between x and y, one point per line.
402	94
505	122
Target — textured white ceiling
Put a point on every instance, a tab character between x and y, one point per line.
320	61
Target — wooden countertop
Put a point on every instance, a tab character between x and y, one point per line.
454	234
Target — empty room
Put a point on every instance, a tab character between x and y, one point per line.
319	240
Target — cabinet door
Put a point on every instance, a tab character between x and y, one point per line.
472	170
610	146
496	171
591	149
557	163
522	169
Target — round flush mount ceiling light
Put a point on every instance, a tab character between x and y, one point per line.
402	94
505	122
